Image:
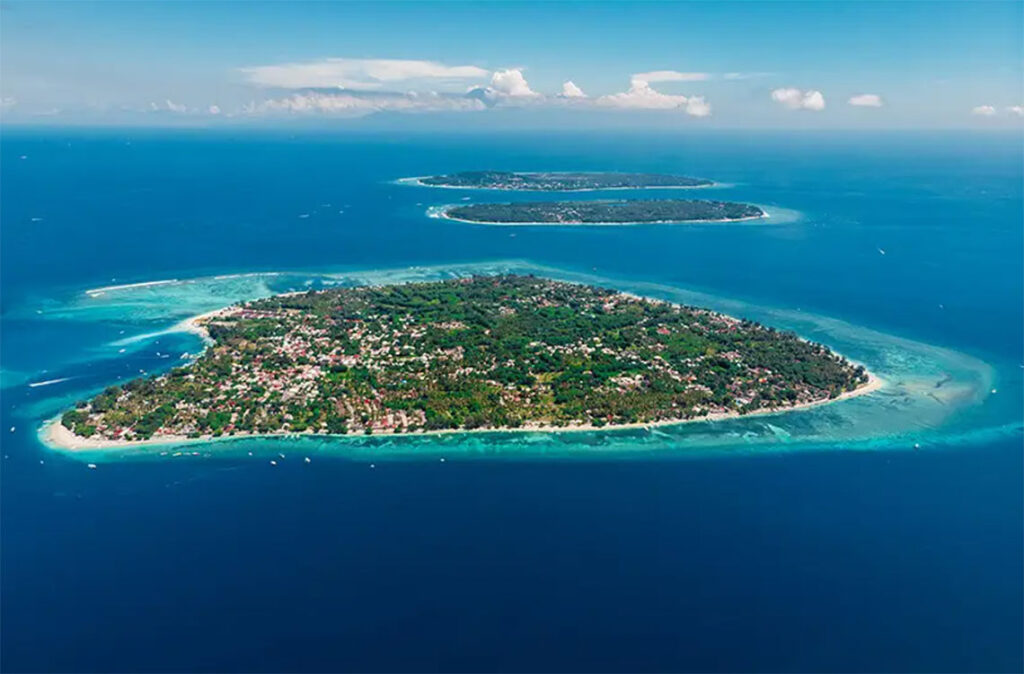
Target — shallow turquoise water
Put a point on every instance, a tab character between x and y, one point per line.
816	540
930	394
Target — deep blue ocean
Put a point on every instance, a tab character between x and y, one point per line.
823	542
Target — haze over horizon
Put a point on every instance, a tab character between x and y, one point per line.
412	65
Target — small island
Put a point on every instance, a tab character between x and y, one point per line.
481	353
559	182
610	212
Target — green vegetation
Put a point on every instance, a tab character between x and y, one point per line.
559	182
476	353
593	212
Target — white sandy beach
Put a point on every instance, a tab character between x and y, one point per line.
196	326
418	182
56	436
441	212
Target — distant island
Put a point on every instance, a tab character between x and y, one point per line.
611	212
559	182
481	353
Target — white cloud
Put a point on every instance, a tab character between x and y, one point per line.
357	104
984	110
669	76
642	96
799	100
508	87
511	82
866	101
8	102
570	90
168	106
744	76
1016	110
214	109
356	73
697	106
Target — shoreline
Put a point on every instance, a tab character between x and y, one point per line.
56	437
194	324
440	212
417	181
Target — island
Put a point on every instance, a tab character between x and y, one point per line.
559	182
606	212
507	352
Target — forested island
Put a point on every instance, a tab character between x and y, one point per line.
488	352
559	182
608	212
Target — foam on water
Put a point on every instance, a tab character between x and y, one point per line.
145	302
930	394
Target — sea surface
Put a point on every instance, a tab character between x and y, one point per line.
882	533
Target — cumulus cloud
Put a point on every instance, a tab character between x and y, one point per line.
1016	110
214	110
697	106
508	87
866	101
570	90
644	97
8	102
511	82
670	76
795	99
358	104
361	74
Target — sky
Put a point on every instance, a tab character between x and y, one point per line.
679	64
